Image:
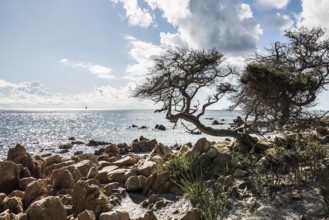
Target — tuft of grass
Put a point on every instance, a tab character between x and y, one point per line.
182	168
208	195
267	184
244	161
211	198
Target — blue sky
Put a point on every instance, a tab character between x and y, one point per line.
72	53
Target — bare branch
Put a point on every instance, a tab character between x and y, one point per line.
178	76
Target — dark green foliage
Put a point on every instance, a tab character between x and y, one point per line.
279	87
279	83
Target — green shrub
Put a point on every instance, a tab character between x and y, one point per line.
207	195
182	168
298	164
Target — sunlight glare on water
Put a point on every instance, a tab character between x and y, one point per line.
44	130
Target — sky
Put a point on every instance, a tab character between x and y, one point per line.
77	53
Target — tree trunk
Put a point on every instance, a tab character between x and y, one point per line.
239	136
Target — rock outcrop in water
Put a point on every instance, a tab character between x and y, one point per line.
116	183
19	155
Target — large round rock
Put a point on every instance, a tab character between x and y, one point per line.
46	209
9	176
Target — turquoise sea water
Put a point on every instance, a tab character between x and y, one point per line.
42	131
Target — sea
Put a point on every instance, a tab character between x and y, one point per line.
43	131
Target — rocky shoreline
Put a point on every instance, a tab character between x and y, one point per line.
115	182
88	186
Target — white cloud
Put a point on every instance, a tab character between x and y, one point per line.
175	11
208	24
283	22
5	84
35	95
136	15
143	54
267	4
98	70
172	40
63	60
111	98
23	88
227	25
246	12
314	13
238	62
23	94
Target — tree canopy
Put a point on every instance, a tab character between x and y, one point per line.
279	87
276	88
177	77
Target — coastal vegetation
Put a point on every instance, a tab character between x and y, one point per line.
276	91
278	178
251	174
215	187
279	87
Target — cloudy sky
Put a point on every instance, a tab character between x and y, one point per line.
73	53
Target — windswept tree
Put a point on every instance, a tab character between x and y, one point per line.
176	79
279	87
